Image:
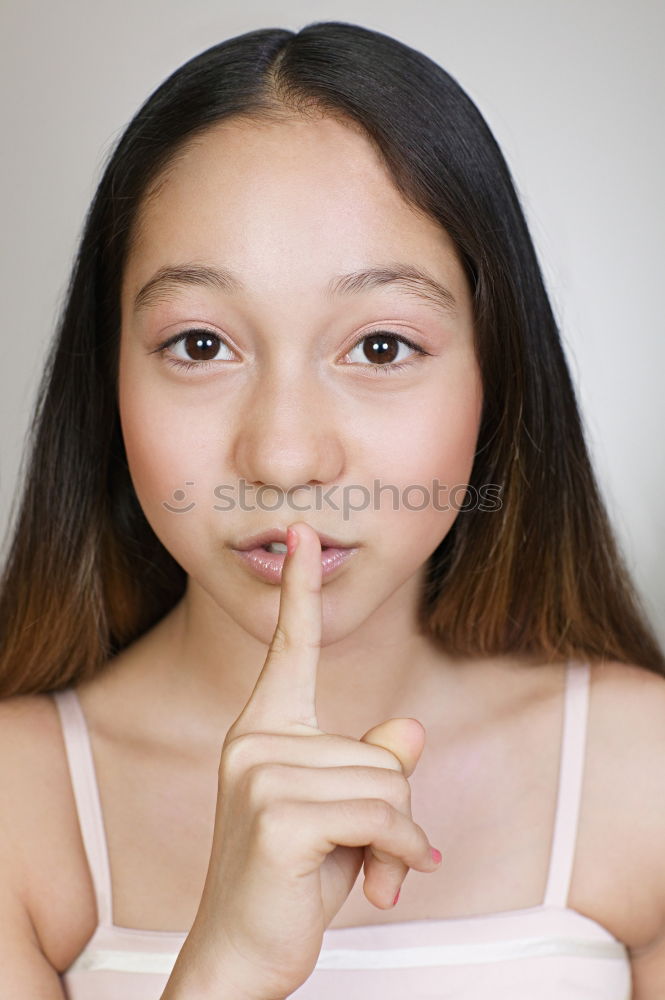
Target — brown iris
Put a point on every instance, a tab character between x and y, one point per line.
378	347
201	346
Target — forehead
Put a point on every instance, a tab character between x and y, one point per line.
278	200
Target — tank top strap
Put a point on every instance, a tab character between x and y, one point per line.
86	795
571	773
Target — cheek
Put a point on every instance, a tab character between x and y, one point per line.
166	459
155	446
167	438
434	437
427	451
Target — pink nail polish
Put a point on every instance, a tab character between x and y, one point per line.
396	897
436	855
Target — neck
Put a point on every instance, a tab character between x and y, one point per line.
205	666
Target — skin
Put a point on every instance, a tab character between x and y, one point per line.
290	399
288	206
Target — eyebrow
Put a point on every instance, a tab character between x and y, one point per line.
414	280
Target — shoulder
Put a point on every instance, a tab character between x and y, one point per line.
624	792
40	835
627	723
612	680
27	729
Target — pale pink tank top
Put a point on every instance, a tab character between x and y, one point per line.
548	951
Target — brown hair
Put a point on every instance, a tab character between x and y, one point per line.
85	575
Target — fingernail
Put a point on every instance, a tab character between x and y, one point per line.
397	896
436	855
291	540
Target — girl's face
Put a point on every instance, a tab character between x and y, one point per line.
277	386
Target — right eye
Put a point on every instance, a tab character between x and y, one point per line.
201	345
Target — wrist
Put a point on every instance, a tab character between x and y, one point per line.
193	979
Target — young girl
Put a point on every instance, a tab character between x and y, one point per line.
306	309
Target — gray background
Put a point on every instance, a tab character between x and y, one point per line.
573	91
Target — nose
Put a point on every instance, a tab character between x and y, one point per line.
286	435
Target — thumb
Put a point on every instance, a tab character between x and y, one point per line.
405	738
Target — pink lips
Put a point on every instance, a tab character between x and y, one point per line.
269	565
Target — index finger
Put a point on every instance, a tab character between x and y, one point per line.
284	695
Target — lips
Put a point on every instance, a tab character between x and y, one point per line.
279	535
269	566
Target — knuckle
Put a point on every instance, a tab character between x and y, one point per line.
348	810
238	754
401	790
381	812
280	640
393	787
261	783
425	841
282	643
274	824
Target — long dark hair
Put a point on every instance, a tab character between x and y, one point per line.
85	574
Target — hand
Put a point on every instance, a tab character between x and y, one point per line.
299	811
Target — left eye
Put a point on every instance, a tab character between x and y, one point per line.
381	351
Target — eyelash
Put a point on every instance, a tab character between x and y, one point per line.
375	369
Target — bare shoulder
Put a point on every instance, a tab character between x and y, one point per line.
40	831
623	812
627	728
629	686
